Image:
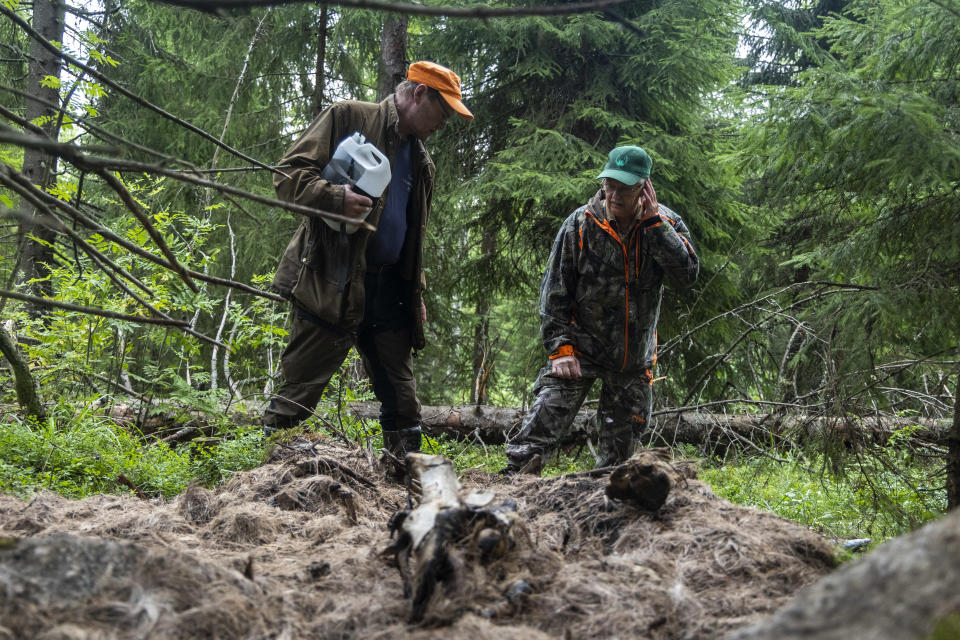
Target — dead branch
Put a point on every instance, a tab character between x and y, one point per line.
482	11
96	164
119	89
93	311
14	180
99	132
683	425
77	215
144	220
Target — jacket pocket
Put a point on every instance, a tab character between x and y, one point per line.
288	271
324	283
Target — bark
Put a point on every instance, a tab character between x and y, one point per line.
482	351
492	425
953	454
905	589
320	82
392	65
40	166
25	385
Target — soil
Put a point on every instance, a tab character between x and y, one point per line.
295	549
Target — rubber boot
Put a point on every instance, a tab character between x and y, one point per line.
614	450
403	441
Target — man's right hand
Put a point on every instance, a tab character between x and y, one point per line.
354	204
565	367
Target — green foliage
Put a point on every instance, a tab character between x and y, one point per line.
508	178
856	172
80	453
878	496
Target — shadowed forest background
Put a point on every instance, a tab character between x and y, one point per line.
813	148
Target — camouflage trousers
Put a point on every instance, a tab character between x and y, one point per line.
623	414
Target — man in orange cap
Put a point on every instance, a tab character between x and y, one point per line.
363	289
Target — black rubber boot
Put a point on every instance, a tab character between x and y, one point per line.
403	441
615	450
272	423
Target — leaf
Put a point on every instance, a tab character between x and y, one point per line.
51	82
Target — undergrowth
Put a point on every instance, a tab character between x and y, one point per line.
82	455
877	494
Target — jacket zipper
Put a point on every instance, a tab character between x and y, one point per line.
605	225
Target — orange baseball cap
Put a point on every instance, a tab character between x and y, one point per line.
446	82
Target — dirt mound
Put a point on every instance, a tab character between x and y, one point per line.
294	549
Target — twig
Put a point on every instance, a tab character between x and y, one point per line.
47	302
100	132
143	253
125	481
141	215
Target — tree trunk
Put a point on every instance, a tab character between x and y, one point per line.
40	167
320	82
493	425
392	67
953	454
26	386
482	352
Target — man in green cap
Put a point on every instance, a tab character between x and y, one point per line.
599	305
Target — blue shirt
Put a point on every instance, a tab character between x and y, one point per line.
386	244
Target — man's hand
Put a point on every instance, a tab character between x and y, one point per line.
354	204
423	313
565	367
649	206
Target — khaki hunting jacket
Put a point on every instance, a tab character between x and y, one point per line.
600	295
322	270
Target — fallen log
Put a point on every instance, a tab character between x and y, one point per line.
712	431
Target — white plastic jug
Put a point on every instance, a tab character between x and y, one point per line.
361	165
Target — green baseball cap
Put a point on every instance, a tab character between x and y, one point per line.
629	165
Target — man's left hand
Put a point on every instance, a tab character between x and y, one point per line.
649	206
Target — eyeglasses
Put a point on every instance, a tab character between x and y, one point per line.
624	190
444	109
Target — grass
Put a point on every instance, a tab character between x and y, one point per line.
858	496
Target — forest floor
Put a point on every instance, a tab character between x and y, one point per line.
276	553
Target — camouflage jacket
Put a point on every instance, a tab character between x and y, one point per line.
600	295
322	270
